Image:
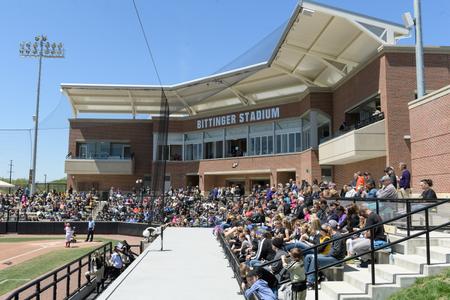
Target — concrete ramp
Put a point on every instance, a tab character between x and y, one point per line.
192	266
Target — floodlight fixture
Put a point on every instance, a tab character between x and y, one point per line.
41	48
408	20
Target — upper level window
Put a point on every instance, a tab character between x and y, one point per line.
103	150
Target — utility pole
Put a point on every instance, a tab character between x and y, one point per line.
41	48
45	182
10	174
419	50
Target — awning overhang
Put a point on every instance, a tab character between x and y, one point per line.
320	46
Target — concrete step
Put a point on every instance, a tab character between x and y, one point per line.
441	254
390	272
444	242
310	295
435	269
337	289
362	278
412	262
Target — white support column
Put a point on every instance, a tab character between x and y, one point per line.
313	123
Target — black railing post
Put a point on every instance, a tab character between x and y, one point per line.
377	203
427	236
372	254
55	285
38	290
316	275
408	218
68	282
79	271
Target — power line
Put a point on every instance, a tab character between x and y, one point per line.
147	43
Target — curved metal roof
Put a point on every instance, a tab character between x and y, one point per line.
319	47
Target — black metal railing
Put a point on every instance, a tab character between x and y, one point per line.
232	259
372	251
357	125
62	283
408	205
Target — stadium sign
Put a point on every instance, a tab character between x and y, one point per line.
239	118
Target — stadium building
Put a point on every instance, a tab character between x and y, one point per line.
335	95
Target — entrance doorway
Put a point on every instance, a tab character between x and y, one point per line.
259	182
192	180
236	183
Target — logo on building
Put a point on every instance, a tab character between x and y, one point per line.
239	118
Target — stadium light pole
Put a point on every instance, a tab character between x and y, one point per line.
41	48
419	50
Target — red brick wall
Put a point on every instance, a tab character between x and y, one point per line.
399	89
343	174
359	87
430	143
139	133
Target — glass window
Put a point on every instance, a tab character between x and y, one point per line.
261	128
284	143
188	152
175	152
288	124
117	150
278	150
291	142
219	149
270	144
258	145
236	147
209	150
305	139
264	145
251	149
298	142
102	150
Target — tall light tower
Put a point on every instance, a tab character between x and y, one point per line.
41	48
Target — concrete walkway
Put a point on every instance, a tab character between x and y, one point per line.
192	267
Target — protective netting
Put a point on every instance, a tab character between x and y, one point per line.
157	188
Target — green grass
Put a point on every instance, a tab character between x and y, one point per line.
41	265
427	288
28	239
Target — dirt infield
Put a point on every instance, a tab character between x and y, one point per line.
16	252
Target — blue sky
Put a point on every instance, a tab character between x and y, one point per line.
104	44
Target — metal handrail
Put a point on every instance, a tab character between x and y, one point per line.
372	228
36	284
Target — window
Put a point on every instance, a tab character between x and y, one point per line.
103	150
175	152
298	142
219	149
291	147
270	144
264	145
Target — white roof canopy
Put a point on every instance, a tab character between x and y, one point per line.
4	185
320	46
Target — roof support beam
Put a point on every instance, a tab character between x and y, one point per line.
370	33
133	106
191	111
294	74
319	58
320	55
244	99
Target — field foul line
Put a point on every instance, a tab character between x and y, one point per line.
13	279
23	254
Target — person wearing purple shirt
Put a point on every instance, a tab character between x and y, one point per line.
405	181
